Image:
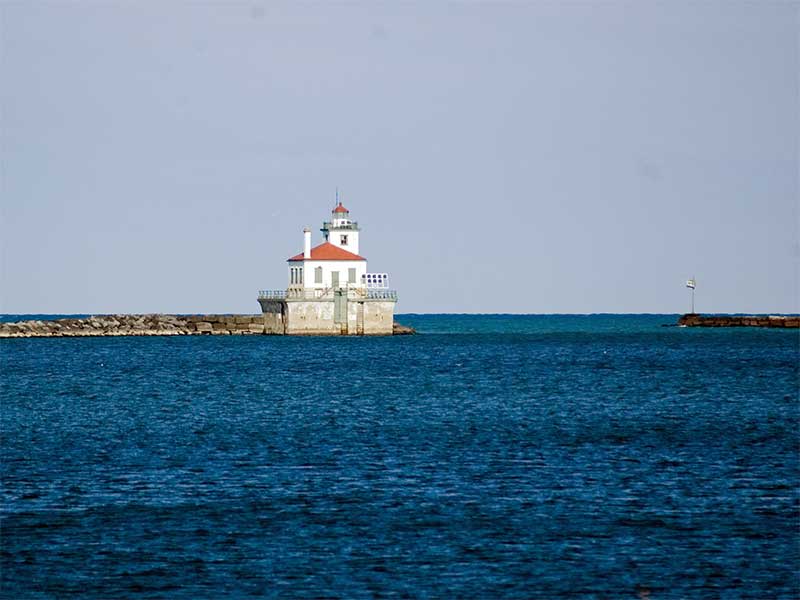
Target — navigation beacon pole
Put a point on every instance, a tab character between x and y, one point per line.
691	284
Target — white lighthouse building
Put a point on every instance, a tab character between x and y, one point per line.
330	291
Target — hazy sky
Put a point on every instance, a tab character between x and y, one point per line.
500	156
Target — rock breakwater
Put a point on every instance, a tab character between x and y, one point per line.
398	329
697	320
147	325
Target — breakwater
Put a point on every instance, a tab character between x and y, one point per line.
697	320
150	325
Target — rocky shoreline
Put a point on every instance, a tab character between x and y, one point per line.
697	320
148	325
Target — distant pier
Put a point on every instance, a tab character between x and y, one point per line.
698	320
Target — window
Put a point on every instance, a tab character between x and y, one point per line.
318	275
351	275
375	280
343	240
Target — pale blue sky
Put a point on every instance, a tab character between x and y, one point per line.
501	157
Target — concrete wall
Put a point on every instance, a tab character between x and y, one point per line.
316	317
274	316
378	317
311	317
370	317
355	317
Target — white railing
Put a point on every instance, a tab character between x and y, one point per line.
352	225
353	293
378	294
272	294
310	293
296	294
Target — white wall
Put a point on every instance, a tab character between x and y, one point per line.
328	267
335	238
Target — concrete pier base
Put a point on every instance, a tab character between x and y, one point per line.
363	316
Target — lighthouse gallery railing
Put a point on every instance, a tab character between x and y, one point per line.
327	294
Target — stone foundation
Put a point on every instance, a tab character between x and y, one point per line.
316	317
378	317
311	318
274	312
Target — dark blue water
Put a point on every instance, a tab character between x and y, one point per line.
491	456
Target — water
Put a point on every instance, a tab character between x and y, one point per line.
491	456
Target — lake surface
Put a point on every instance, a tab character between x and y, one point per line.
490	456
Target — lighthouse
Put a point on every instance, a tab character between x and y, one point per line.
335	263
329	290
340	230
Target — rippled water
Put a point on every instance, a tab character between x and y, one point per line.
490	456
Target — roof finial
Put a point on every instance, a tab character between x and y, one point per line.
337	196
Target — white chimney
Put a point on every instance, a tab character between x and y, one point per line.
306	243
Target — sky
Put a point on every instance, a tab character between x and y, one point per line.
500	157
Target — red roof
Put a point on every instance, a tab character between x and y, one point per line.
340	209
327	251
